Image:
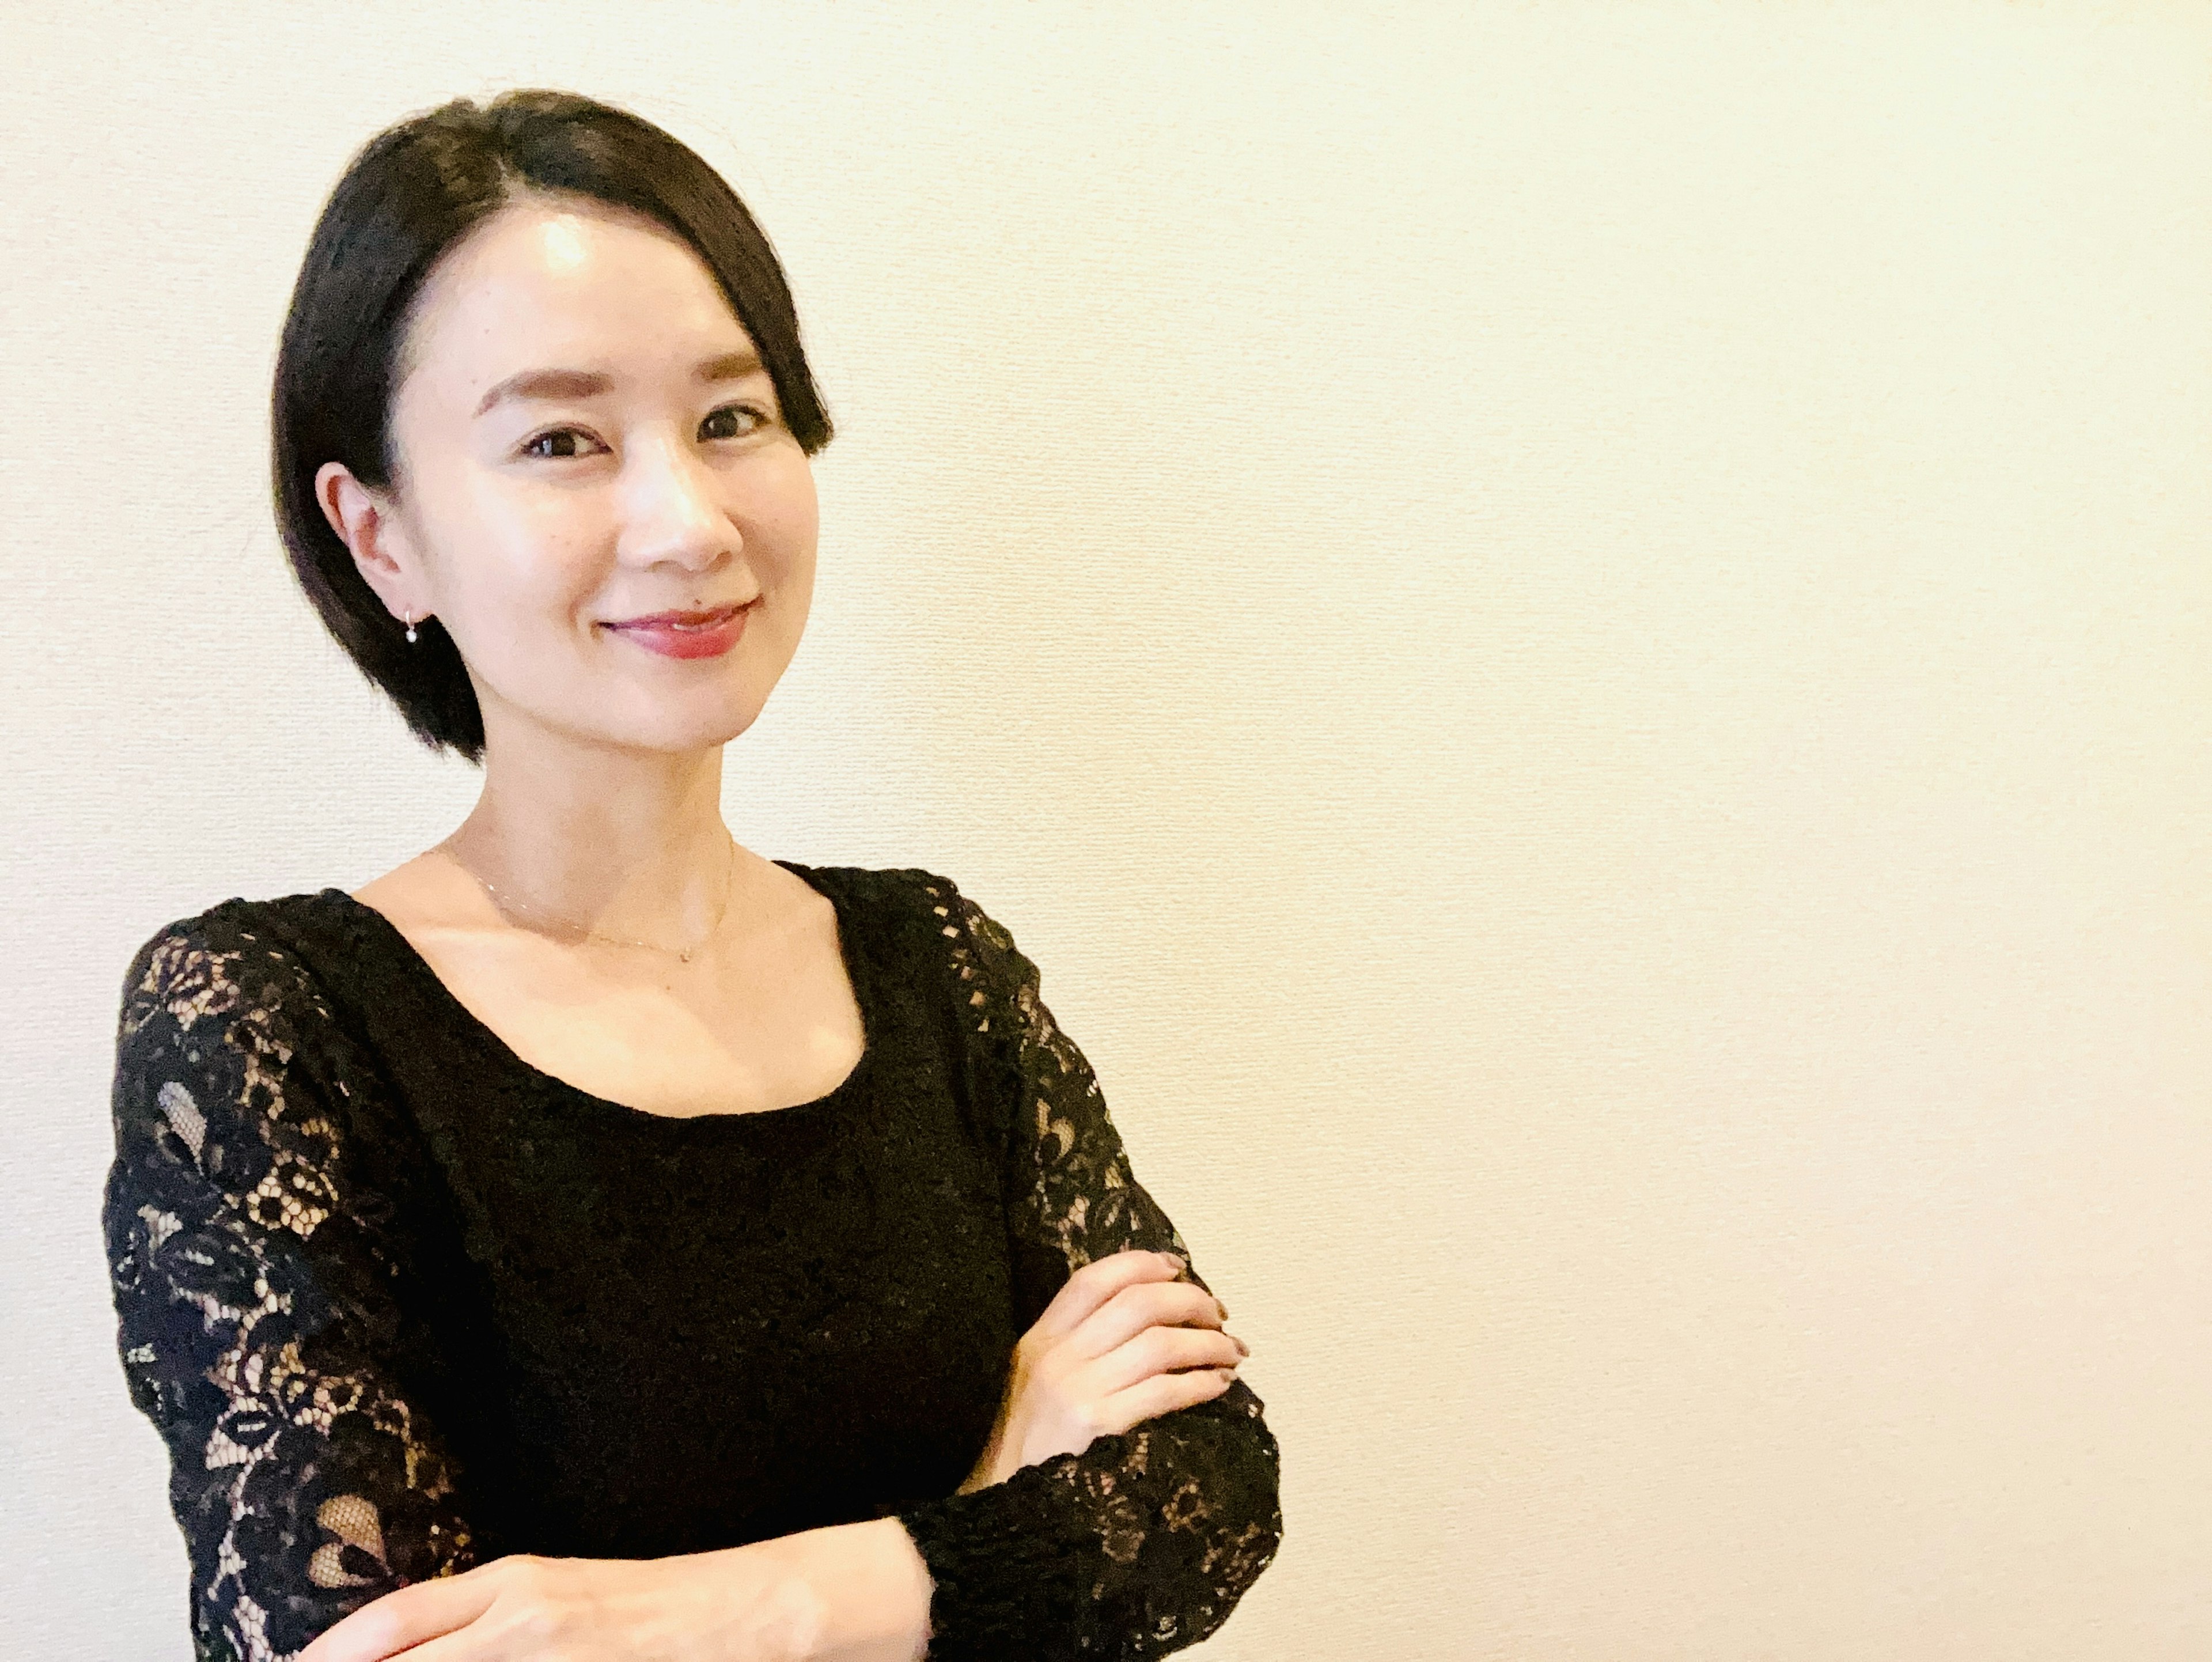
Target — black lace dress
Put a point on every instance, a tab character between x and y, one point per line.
400	1303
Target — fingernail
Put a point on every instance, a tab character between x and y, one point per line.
1223	1308
1242	1350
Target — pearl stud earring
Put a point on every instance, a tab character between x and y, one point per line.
411	626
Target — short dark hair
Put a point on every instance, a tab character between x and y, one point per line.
408	196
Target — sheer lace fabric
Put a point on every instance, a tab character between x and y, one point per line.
268	1280
253	1279
1143	1543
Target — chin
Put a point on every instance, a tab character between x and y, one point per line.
691	730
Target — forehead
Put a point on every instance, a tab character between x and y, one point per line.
569	280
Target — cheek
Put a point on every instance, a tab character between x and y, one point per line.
529	553
786	509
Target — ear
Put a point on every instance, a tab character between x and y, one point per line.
365	518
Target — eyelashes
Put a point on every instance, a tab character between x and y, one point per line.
761	418
531	450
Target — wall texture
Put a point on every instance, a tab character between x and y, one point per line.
1578	635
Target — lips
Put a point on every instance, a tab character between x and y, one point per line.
686	634
680	619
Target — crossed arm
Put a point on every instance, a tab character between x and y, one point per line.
1098	1363
1127	1498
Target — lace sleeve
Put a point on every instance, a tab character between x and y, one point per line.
1143	1543
254	1279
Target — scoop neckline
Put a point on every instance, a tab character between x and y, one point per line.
544	1083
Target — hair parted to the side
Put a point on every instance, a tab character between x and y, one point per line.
409	195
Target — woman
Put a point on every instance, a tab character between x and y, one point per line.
591	1239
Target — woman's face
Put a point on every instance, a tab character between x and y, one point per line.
593	470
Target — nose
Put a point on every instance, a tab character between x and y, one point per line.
673	512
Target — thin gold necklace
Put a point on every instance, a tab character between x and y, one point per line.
508	901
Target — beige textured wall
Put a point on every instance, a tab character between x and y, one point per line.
1577	634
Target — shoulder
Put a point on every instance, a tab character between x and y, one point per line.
227	1041
914	899
235	958
892	895
912	912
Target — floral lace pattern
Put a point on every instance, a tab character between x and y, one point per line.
270	1284
1143	1543
250	1285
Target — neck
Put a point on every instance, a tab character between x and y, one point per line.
627	842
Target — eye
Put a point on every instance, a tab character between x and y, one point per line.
750	417
529	448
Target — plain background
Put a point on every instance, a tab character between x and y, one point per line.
1577	634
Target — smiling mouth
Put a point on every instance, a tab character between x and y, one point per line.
682	622
687	634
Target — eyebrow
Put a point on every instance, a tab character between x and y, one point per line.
586	383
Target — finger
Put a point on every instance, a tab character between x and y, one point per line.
419	1612
1134	1309
467	1643
1099	1280
1163	1393
1161	1350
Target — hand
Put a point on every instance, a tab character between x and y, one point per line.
525	1606
857	1593
1122	1343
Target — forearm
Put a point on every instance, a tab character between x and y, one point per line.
1140	1546
860	1592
